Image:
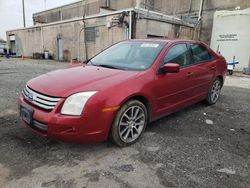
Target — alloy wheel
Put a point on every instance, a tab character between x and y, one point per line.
215	91
131	124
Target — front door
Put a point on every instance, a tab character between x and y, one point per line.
172	90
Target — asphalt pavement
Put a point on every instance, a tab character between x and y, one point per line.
200	146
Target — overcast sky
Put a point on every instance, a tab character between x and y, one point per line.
11	12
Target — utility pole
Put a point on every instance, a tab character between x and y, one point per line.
45	7
24	24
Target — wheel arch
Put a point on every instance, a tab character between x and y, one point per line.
221	78
143	99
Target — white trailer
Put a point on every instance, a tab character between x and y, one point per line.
231	36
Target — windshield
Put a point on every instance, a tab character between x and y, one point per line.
129	55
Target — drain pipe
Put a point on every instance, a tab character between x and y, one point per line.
85	45
107	3
200	18
201	9
85	42
79	44
82	29
130	24
190	7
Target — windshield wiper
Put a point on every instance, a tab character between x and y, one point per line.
108	66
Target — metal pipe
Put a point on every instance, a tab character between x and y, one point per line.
42	39
201	9
79	44
190	7
107	3
200	19
24	23
61	14
127	33
85	42
130	24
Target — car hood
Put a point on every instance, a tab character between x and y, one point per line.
65	82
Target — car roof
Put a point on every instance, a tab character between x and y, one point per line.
162	40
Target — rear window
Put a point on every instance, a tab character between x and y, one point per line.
200	53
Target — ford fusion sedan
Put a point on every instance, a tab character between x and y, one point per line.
117	93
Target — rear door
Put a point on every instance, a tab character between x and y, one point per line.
205	69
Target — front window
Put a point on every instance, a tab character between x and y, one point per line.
129	55
178	54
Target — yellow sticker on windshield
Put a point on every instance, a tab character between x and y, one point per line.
149	45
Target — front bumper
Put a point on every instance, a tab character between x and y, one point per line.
92	126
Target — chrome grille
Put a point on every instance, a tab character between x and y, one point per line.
40	100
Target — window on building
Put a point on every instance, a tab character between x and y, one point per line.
90	34
178	54
200	53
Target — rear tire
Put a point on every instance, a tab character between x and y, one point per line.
214	92
129	123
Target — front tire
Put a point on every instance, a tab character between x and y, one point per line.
214	92
129	123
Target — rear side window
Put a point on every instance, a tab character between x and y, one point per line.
200	53
178	54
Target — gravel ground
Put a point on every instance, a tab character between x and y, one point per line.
201	146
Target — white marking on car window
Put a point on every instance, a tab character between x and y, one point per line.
149	45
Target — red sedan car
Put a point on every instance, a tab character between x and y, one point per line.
117	93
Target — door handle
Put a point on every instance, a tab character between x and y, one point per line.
189	74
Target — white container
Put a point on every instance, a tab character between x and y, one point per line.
231	36
46	55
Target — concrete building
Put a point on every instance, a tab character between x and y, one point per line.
82	29
3	46
189	10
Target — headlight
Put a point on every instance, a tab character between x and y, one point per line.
74	104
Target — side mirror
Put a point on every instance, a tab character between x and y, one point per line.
170	68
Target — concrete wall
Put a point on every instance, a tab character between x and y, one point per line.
79	9
169	7
26	41
3	47
122	4
147	28
44	38
191	7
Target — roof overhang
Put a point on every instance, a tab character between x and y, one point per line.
148	14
